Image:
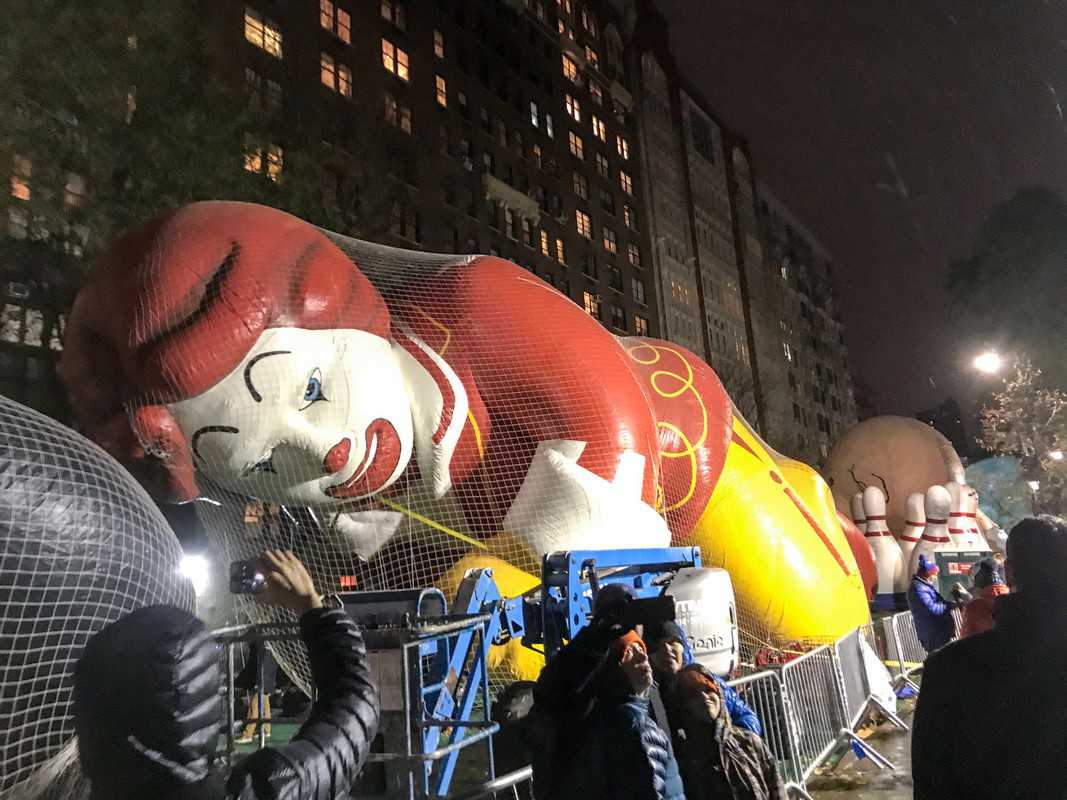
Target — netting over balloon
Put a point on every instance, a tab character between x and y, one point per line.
396	417
81	544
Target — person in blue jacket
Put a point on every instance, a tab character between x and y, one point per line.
931	613
669	652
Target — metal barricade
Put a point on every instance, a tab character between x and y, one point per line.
812	696
517	785
765	694
909	652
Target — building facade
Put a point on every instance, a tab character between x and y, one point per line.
814	400
510	128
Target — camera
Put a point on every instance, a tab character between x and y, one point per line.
246	577
648	611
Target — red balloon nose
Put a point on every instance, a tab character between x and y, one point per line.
337	457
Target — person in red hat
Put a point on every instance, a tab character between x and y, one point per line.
989	585
717	758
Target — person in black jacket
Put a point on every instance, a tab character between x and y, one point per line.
991	719
148	711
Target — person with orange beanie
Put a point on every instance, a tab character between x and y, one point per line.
718	759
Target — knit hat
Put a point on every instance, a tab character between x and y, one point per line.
926	566
661	632
692	681
986	573
620	645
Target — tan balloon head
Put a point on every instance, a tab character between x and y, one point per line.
908	454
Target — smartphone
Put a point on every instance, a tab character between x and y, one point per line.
246	577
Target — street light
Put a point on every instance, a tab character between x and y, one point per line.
1055	455
989	362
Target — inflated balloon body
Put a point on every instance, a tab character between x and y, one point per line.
417	414
81	544
861	551
907	454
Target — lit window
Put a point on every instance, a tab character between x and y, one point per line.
548	126
545	250
640	325
263	160
397	114
535	151
335	76
442	92
626	182
591	57
628	216
395	60
570	68
535	115
623	147
439	44
560	257
610	242
600	130
589	21
262	32
591	304
335	20
581	186
22	169
637	289
574	109
583	224
566	5
596	93
393	11
602	165
74	191
633	254
576	145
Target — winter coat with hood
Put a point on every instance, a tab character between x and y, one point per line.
978	613
721	761
594	738
741	714
931	613
1009	679
148	713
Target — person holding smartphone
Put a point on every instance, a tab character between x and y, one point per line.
148	713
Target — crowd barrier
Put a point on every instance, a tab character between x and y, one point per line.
810	708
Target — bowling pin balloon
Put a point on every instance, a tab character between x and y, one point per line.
856	507
936	505
887	555
972	534
956	521
915	521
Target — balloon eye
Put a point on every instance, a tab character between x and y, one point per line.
313	390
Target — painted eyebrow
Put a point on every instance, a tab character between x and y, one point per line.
248	371
209	429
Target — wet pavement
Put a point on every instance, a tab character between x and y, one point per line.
859	779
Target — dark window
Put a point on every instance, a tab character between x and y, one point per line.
703	139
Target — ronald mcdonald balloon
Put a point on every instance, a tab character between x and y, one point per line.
434	413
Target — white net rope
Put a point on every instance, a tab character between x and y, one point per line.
391	416
81	544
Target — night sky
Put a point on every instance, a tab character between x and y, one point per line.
891	130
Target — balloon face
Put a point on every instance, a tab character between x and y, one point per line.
307	417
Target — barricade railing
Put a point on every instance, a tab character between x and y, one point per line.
764	693
813	699
517	785
908	654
